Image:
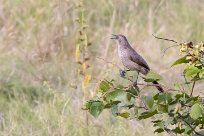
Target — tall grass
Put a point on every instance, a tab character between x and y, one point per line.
39	82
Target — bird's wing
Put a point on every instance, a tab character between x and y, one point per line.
136	58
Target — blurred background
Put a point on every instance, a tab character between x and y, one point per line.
47	74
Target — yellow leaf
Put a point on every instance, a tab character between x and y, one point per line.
86	80
84	67
77	53
177	108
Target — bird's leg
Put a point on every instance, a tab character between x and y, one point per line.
135	83
122	72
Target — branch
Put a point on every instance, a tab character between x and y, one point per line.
149	84
164	39
192	88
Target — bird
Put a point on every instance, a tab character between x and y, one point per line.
131	59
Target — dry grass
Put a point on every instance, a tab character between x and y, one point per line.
40	88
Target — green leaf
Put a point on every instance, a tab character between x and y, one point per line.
87	106
108	105
159	130
182	95
169	97
165	98
178	130
88	103
152	76
159	123
180	61
96	107
148	100
196	111
162	108
125	115
156	96
191	70
133	90
156	121
193	99
130	97
147	114
104	86
199	76
117	95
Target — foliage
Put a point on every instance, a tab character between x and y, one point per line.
81	51
174	112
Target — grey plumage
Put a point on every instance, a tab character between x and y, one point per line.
130	58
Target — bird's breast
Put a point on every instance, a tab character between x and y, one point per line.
123	54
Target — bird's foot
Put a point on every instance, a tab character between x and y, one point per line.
122	73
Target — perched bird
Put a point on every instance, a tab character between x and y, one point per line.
131	59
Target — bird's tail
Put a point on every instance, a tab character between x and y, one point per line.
158	86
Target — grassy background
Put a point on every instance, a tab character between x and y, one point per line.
40	86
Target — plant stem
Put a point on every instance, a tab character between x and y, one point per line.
192	88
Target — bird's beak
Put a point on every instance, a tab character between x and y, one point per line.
114	36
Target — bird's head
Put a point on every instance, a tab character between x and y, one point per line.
121	39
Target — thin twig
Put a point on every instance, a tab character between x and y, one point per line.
169	131
189	125
109	62
169	48
165	39
192	88
140	107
